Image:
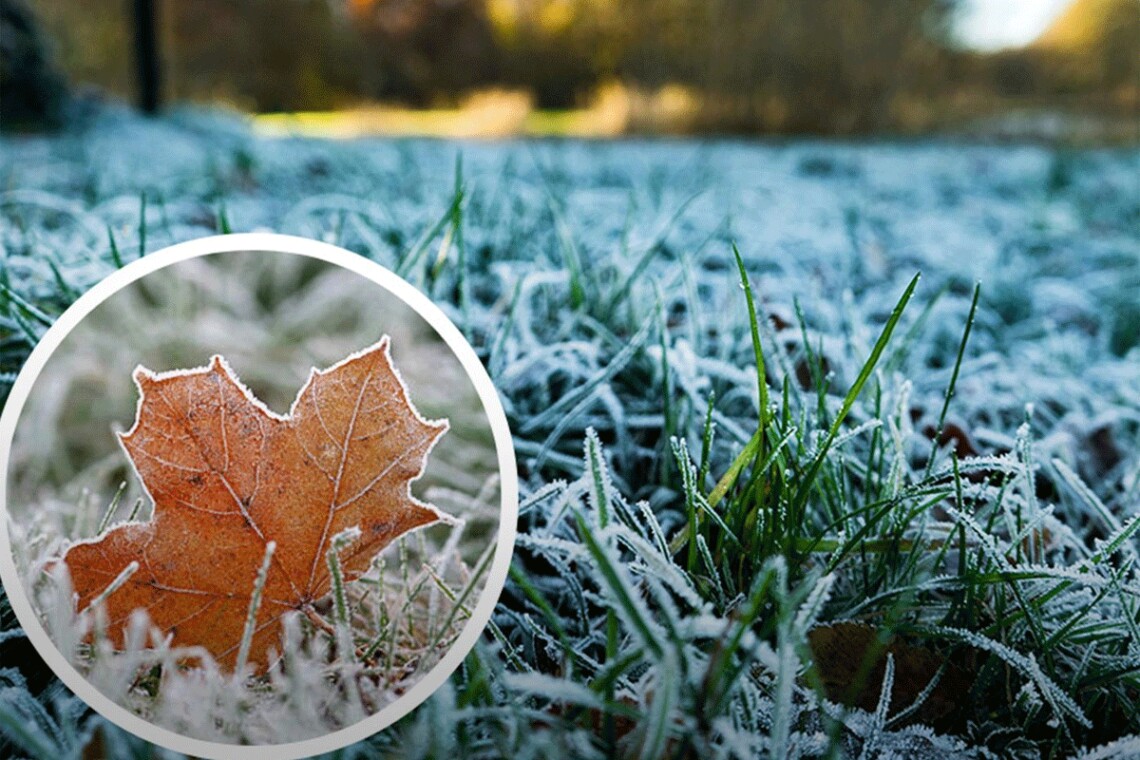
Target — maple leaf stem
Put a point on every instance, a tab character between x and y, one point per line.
254	606
316	619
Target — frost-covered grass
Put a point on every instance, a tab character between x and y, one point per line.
273	318
695	531
402	617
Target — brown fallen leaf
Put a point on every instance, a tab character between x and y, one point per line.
227	477
850	661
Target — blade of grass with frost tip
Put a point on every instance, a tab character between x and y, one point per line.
600	502
468	589
110	511
142	226
410	260
599	496
14	299
691	518
455	217
1086	495
808	479
619	588
656	533
463	284
707	433
953	378
123	576
254	606
896	358
63	285
341	540
222	223
757	349
710	568
444	251
116	256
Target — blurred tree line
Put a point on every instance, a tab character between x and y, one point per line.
820	66
1093	48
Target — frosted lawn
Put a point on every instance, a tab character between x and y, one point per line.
598	284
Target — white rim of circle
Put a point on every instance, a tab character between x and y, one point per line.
508	516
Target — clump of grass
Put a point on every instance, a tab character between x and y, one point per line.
959	555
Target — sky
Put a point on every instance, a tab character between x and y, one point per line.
996	24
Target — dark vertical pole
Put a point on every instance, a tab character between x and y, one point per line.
146	56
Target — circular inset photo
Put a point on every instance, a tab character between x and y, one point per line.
258	491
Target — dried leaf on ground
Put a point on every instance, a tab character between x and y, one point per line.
227	477
850	659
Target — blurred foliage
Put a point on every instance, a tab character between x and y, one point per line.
807	66
416	49
1094	46
32	85
789	66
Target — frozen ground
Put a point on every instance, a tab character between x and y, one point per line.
597	282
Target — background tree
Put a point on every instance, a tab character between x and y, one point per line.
33	87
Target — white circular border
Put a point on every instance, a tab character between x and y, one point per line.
492	406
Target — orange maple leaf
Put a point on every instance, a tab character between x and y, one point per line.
227	476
